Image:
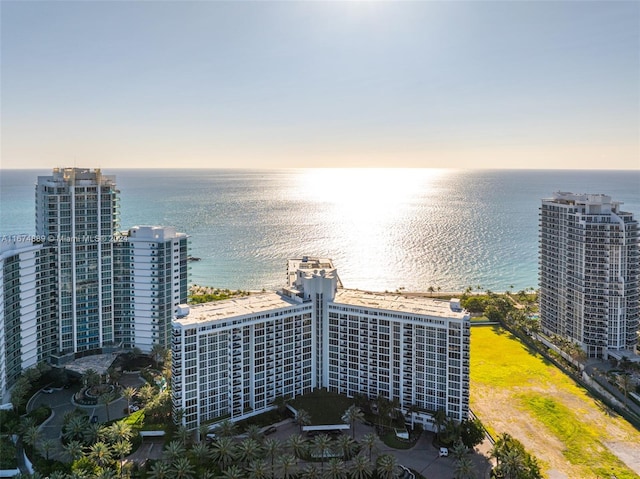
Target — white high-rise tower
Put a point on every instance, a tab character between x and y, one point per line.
77	214
589	272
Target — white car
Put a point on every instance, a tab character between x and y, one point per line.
47	390
444	452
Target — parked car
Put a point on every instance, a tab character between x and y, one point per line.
47	390
444	452
94	419
270	430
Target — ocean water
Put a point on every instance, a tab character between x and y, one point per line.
384	228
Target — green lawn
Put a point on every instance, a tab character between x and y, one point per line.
324	407
515	390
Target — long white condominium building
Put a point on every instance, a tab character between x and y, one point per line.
589	272
150	270
233	358
77	216
19	307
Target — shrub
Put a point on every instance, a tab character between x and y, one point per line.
9	421
7	453
41	414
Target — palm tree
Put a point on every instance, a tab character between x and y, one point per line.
271	447
182	468
253	432
384	408
93	433
233	472
203	430
74	449
224	451
122	448
512	463
106	399
346	446
147	393
361	467
76	428
128	394
626	384
298	445
25	424
451	432
119	431
464	469
458	451
183	434
248	451
303	418
336	469
201	452
173	451
369	441
91	378
100	454
412	409
258	470
286	464
105	474
47	445
350	416
159	470
387	467
158	353
57	475
226	428
311	472
440	417
501	447
321	446
31	436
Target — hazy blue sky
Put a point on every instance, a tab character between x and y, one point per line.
302	84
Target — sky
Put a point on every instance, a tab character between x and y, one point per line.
297	84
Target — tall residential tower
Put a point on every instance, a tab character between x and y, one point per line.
77	216
589	272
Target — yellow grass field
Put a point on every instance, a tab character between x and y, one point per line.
573	435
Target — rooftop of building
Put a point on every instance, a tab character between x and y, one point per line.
565	197
234	307
399	302
200	314
79	176
311	265
153	233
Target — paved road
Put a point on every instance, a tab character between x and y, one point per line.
60	402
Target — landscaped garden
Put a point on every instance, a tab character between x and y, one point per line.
515	390
324	407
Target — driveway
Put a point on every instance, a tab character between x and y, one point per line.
423	457
61	402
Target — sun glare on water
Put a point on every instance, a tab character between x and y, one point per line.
367	214
367	195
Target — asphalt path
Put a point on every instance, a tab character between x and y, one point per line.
61	402
424	457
